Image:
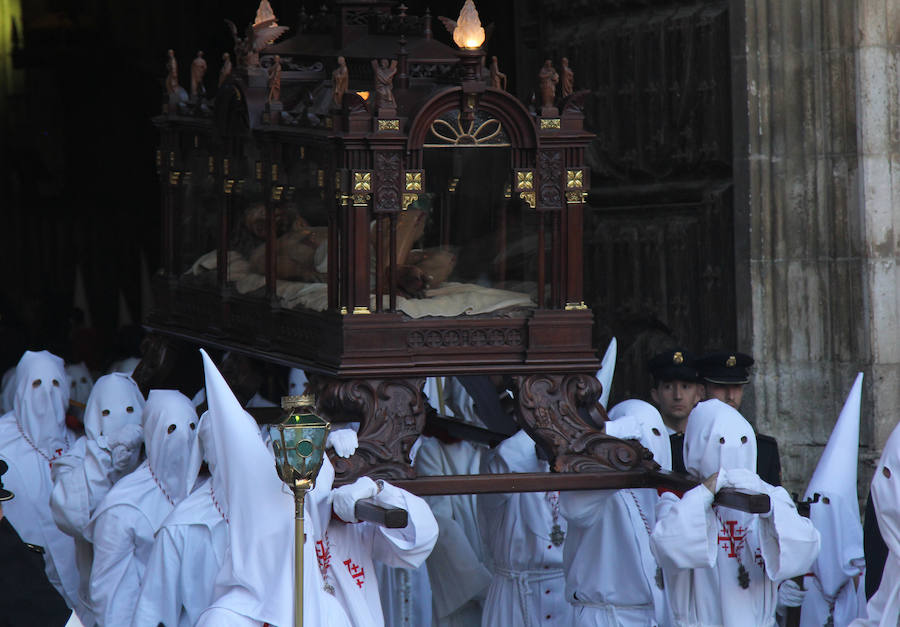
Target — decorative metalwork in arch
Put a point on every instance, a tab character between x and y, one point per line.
448	131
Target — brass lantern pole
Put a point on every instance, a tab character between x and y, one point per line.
299	452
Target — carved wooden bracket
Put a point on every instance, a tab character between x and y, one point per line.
391	413
547	408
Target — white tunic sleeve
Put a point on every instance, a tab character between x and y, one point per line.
160	597
789	542
80	481
685	530
115	576
410	546
459	575
582	507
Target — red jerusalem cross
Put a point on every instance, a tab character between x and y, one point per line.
732	538
356	572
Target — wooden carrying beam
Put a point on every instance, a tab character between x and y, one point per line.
543	482
390	517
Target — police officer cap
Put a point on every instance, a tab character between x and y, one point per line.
673	365
725	368
5	495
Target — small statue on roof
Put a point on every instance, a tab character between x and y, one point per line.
198	71
547	79
171	72
225	72
339	80
568	79
274	81
384	83
498	78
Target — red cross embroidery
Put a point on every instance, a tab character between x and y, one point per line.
59	452
356	572
731	538
758	558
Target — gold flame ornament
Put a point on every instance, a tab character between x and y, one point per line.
468	32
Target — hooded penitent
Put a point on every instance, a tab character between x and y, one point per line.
125	522
716	437
80	383
835	513
606	372
884	607
83	477
652	430
256	578
32	437
722	566
627	592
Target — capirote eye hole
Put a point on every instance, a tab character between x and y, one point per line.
84	379
73	382
129	409
655	431
55	383
826	500
193	426
105	412
743	439
886	472
722	440
36	383
171	429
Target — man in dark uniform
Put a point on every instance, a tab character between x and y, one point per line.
28	599
724	376
675	392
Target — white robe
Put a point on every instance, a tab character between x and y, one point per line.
700	557
29	512
124	524
459	578
405	595
181	571
528	585
610	571
350	551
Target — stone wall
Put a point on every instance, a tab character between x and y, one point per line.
816	135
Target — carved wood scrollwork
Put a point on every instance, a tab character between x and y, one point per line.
548	409
550	176
387	181
391	413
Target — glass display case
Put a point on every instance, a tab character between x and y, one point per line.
382	221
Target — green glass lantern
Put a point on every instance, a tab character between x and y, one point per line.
299	445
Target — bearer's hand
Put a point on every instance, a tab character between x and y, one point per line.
343	441
125	447
344	498
710	482
790	594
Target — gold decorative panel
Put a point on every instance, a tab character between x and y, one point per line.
550	123
413	181
574	179
389	125
362	181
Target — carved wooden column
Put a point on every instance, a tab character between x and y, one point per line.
391	413
548	409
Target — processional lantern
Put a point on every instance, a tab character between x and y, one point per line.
299	446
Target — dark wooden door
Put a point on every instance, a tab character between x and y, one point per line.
659	240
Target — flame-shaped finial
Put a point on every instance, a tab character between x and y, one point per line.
468	32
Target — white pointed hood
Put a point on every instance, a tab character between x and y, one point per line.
115	402
170	427
296	382
716	437
606	372
257	575
884	607
80	382
650	430
42	396
836	513
170	470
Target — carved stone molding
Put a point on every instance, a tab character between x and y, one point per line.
548	409
391	413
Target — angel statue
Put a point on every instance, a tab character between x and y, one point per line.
261	33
